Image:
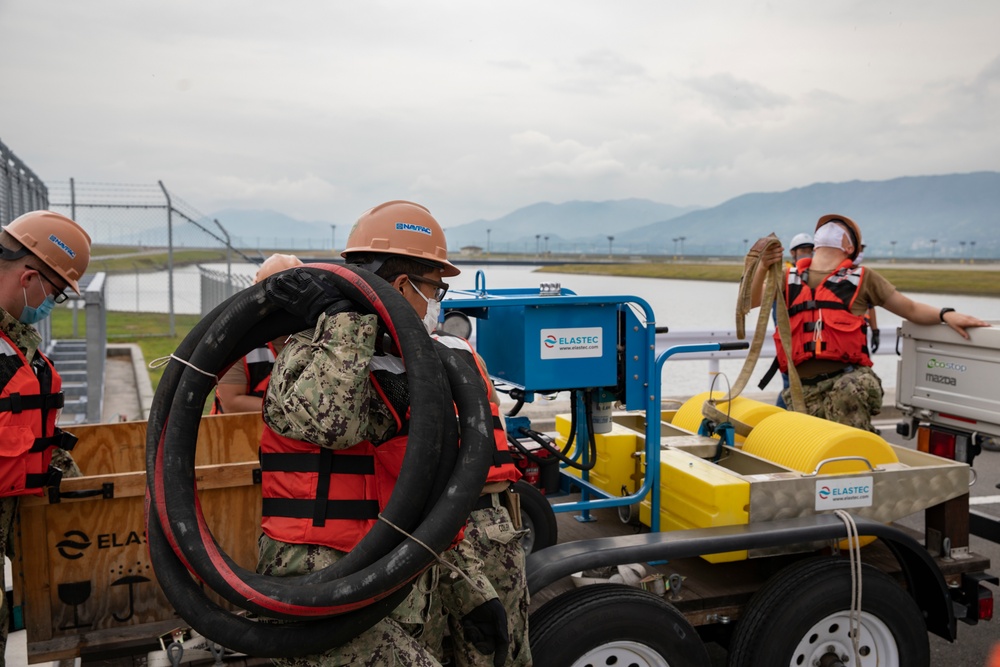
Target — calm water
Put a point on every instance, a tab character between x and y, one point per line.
682	305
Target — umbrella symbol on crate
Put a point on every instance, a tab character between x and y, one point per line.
129	581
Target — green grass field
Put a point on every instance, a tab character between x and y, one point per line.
930	281
150	331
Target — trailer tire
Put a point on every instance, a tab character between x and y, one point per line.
803	610
609	624
537	517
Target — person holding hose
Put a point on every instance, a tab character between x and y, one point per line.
243	386
828	297
335	388
43	254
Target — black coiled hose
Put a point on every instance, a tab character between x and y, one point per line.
437	488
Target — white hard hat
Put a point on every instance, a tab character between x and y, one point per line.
800	240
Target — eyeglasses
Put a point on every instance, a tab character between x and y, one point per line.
440	288
60	295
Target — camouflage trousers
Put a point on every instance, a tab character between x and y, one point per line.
8	513
851	398
490	551
385	644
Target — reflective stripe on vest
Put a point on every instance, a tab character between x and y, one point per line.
317	495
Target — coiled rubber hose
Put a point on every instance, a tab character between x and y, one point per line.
437	488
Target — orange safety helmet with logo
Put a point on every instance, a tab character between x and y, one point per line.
400	228
57	241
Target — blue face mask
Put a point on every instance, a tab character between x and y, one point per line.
33	314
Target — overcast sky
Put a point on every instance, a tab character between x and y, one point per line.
320	109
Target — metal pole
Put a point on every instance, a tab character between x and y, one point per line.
333	239
229	260
170	258
72	215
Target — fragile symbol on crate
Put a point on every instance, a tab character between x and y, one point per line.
74	594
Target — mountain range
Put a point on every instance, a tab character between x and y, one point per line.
946	216
953	215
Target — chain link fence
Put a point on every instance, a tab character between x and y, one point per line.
152	244
20	189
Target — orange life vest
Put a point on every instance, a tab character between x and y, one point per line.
257	368
318	495
503	468
30	403
822	324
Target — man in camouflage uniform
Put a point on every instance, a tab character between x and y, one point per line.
41	255
828	300
320	392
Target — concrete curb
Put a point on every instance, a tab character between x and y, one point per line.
143	385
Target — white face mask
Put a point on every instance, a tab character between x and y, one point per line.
832	235
433	311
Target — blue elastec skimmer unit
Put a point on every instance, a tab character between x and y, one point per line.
549	339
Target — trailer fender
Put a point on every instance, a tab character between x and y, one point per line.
922	577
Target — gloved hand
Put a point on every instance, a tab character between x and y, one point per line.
485	627
299	293
873	348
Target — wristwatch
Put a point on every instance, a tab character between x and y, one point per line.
945	310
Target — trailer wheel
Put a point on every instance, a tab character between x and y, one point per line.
609	624
537	517
801	617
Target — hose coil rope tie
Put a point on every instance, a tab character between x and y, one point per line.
384	562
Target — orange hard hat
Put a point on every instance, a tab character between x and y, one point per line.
60	243
852	229
401	228
276	263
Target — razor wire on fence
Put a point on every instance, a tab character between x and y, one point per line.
145	237
20	189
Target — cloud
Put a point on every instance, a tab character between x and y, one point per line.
724	93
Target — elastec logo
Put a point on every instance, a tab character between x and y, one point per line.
73	546
571	343
946	365
940	379
844	492
409	227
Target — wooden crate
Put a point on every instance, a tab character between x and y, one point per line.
81	570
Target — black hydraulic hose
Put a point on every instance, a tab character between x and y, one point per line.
244	634
291	639
544	441
528	454
313	594
180	514
439	525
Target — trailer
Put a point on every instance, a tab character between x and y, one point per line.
748	533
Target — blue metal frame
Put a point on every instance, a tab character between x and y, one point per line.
477	303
